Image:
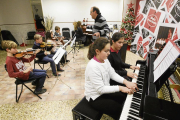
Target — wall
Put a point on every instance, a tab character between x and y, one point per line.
1	18
17	18
39	11
66	12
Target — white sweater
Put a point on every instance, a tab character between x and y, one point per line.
97	77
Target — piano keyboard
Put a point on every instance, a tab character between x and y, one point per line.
131	107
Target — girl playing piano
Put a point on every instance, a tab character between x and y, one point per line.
116	61
100	95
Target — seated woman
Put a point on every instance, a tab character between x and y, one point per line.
116	61
50	39
79	33
98	91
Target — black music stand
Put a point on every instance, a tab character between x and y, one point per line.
73	48
64	46
57	57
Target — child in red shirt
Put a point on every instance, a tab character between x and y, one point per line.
17	69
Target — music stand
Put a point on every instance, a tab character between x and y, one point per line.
73	48
57	57
72	45
64	46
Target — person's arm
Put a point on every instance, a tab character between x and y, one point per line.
81	32
104	27
113	75
49	48
57	35
118	78
97	82
120	72
28	59
12	73
125	65
39	54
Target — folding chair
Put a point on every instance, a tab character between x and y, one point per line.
22	82
30	35
66	33
40	62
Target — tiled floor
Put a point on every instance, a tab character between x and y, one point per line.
57	88
58	101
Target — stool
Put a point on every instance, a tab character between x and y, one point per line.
83	111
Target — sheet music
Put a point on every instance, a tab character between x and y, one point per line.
57	57
169	57
66	44
161	56
88	30
73	41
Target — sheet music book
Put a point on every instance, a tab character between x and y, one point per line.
168	55
57	57
73	41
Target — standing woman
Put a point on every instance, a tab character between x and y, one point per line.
116	61
100	95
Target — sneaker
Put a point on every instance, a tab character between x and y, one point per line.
57	74
40	91
67	60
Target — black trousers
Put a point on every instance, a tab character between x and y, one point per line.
110	104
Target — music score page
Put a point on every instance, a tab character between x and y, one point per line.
165	59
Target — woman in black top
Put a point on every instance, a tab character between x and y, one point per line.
116	61
79	33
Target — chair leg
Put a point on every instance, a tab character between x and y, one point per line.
32	91
41	67
17	97
16	92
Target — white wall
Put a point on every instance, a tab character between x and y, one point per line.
65	12
1	18
16	17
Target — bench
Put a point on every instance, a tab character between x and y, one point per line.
83	111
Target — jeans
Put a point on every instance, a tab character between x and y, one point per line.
48	58
40	75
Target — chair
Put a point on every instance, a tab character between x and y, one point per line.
22	82
66	33
30	35
39	63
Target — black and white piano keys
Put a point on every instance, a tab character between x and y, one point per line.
131	107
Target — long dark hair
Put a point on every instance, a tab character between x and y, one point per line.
116	36
99	44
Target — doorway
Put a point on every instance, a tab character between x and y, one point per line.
38	15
